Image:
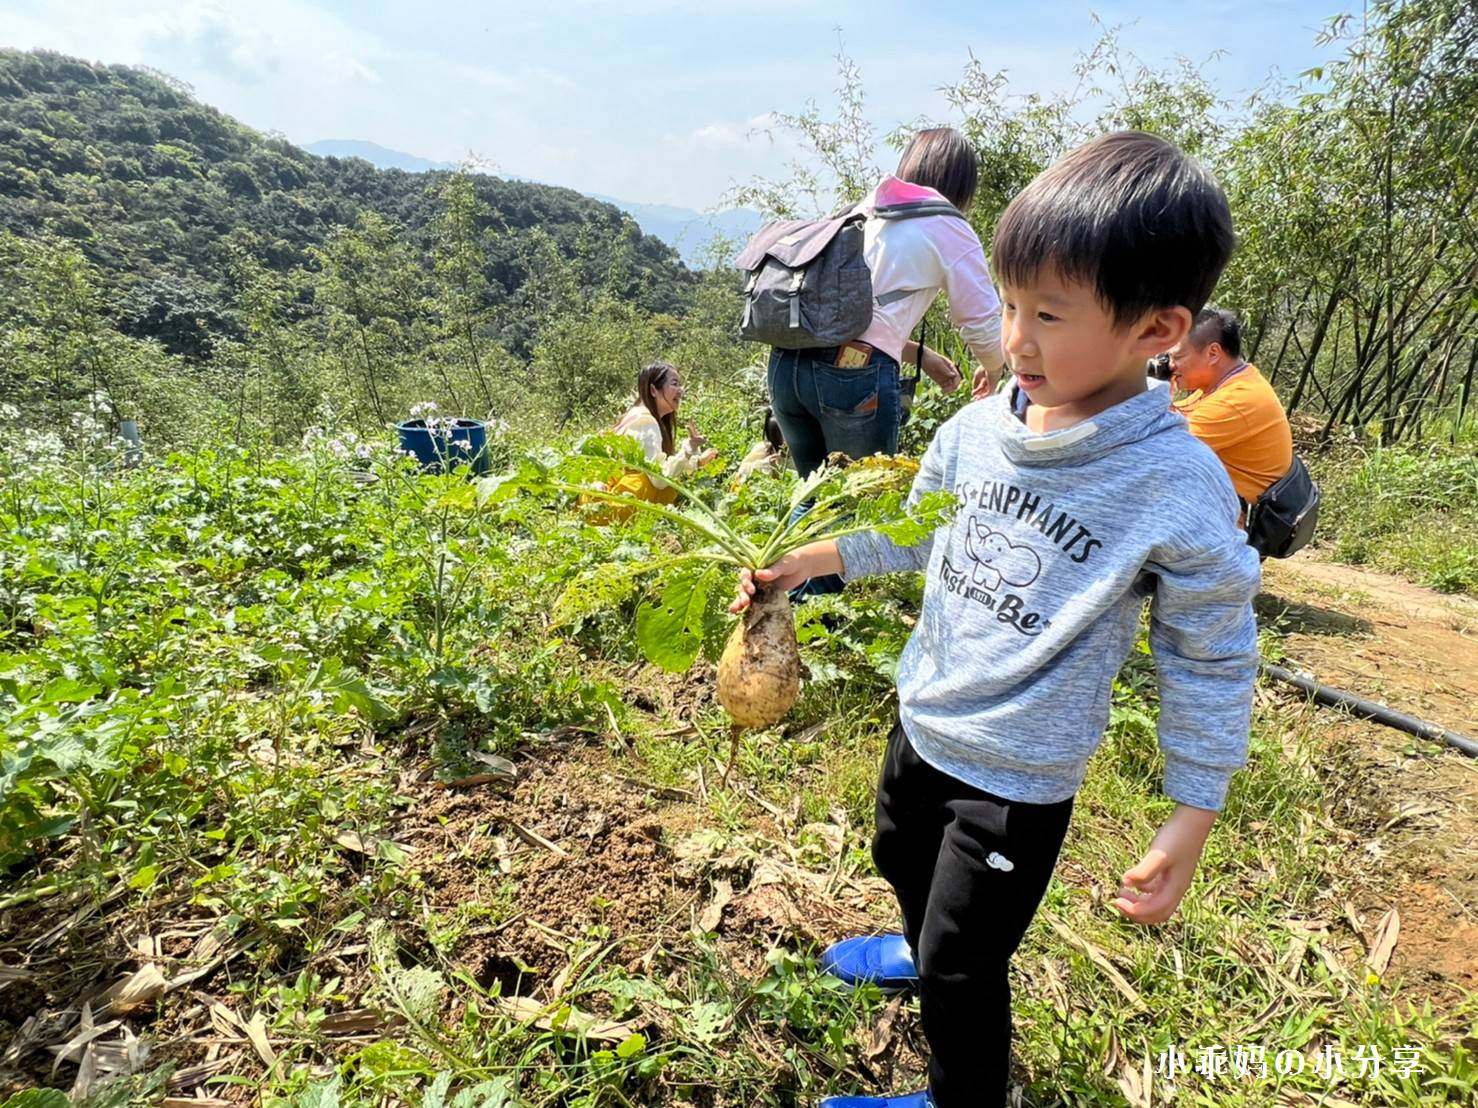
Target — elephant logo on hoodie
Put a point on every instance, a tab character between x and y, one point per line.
998	559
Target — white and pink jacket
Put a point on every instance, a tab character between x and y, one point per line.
920	257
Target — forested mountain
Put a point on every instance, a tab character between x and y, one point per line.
159	190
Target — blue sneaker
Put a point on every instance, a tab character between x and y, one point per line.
883	960
911	1100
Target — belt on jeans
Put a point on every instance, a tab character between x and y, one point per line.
829	354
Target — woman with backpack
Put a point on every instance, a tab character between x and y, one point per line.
916	243
824	400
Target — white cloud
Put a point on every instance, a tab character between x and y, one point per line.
346	70
727	133
482	76
543	76
214	37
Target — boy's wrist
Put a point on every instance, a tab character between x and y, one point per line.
816	559
823	557
1187	829
1194	816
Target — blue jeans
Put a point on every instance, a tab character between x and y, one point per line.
822	409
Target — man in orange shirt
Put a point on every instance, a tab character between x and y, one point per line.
1231	407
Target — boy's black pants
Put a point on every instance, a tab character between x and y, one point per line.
969	869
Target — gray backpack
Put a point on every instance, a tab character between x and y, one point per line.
809	285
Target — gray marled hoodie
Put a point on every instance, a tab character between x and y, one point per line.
1032	598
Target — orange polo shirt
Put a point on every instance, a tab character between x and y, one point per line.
1244	422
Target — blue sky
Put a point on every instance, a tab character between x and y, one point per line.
649	100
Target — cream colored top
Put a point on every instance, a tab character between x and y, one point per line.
642	425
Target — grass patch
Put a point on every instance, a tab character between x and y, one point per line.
1410	509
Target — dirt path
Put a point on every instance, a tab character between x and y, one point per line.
1378	636
1415	812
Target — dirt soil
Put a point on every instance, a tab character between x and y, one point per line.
1378	636
574	851
526	880
581	851
1415	812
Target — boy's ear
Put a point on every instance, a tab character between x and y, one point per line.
1162	329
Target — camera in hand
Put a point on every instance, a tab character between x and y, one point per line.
1158	367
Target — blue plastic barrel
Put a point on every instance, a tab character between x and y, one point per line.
456	442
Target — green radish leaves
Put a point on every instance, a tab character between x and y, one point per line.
669	630
907	528
714	534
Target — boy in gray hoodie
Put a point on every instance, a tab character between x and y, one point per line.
1081	495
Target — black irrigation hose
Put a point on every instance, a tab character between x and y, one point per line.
1369	709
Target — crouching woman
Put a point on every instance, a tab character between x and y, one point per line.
652	422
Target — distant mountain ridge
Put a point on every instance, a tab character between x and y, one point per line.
691	233
165	195
381	157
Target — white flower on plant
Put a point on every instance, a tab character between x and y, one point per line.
429	412
92	434
31	453
42	444
341	446
325	412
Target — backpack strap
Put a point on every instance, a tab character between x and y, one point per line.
893	297
914	209
909	386
917	208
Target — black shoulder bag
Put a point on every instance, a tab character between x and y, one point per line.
1281	521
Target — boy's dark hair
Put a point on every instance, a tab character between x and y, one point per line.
1128	213
940	158
1219	326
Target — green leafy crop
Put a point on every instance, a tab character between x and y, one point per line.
723	531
